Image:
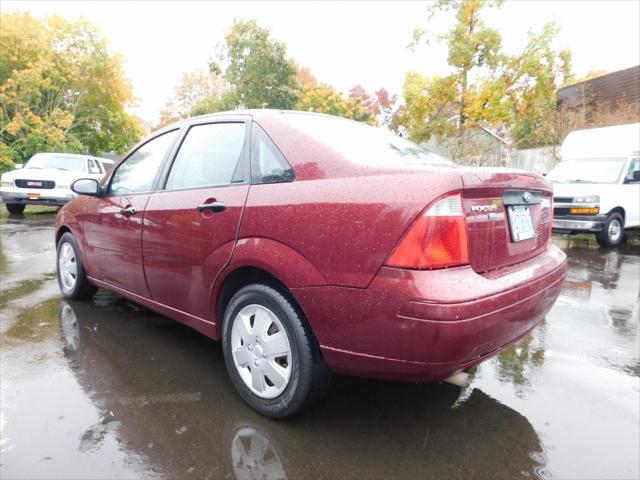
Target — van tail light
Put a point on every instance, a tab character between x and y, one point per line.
437	239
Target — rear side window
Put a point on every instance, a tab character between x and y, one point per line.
268	165
208	156
137	172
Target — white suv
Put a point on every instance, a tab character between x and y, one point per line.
46	179
596	188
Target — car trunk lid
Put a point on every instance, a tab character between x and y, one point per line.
496	236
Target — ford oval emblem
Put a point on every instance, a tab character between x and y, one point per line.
526	196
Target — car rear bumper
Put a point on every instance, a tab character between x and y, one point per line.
54	196
586	223
424	325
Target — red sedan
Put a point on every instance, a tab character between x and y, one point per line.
309	244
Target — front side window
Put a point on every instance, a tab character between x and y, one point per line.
208	156
94	166
268	165
137	172
634	166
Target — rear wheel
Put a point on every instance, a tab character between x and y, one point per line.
271	355
15	208
72	278
613	232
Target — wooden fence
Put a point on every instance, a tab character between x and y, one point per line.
538	160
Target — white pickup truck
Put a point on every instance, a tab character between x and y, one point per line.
596	186
46	179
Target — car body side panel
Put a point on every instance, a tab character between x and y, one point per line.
280	260
345	227
184	249
114	240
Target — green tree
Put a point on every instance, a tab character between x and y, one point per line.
323	98
258	74
486	87
219	102
197	93
60	89
532	79
256	67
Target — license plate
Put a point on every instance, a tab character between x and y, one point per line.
33	196
520	223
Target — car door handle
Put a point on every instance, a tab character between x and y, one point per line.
213	206
128	211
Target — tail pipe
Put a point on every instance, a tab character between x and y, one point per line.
460	378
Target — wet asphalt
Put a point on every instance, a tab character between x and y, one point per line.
106	389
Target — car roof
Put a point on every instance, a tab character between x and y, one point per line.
256	114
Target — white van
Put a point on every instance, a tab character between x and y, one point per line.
596	186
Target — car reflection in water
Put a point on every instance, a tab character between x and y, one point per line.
163	391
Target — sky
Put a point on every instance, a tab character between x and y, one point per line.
343	43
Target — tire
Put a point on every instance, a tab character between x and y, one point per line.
72	278
15	208
612	233
252	323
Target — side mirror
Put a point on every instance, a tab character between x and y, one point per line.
86	186
636	176
18	166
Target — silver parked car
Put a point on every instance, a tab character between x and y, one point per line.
47	177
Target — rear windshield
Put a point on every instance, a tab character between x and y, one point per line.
363	144
588	170
57	161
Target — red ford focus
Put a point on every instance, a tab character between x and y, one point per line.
308	244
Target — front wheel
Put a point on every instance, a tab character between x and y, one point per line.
271	355
72	278
613	232
15	208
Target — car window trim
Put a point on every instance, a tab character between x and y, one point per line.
242	168
134	150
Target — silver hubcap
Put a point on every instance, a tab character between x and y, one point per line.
261	351
254	456
70	328
67	267
614	230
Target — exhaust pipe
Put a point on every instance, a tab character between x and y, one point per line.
459	378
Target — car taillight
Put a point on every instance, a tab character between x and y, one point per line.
437	239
